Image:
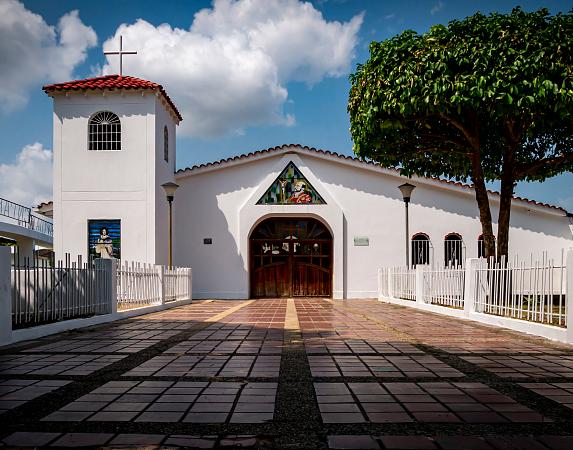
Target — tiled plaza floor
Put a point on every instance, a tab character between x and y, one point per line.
303	373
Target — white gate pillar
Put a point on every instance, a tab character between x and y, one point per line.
470	297
419	288
569	295
5	296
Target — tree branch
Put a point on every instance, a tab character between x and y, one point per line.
529	169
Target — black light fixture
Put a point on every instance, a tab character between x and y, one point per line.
406	189
170	189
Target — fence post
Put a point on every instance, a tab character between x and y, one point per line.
109	284
5	296
419	288
569	295
470	286
190	280
161	270
390	283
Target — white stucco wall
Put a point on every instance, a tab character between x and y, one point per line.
109	184
219	202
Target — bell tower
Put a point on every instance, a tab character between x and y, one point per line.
114	146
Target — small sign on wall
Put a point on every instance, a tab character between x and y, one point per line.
208	241
361	241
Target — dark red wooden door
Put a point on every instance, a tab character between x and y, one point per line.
291	258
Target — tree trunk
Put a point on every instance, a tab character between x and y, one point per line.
506	194
483	205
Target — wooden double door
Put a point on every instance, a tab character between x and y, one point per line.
291	258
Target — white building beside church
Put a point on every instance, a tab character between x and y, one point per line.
285	221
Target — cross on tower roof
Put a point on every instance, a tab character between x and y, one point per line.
120	53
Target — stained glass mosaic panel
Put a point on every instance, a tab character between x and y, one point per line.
291	187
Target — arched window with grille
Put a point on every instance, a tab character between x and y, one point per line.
104	131
453	250
165	144
420	249
481	246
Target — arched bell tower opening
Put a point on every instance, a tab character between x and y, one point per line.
290	257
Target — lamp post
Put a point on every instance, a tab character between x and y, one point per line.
406	190
170	189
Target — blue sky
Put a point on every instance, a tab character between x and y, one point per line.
307	99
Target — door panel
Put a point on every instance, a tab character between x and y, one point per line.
291	257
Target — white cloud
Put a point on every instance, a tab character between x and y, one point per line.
229	70
33	52
437	7
29	180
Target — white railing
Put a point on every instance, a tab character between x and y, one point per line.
444	286
383	281
141	285
403	283
138	285
533	296
177	282
69	289
533	291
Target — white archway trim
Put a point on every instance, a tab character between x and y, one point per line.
331	214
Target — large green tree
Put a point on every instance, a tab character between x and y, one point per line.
486	98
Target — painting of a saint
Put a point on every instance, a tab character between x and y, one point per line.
104	238
291	188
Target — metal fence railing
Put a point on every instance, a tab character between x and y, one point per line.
138	285
141	285
43	293
24	217
536	291
403	283
533	290
177	281
444	287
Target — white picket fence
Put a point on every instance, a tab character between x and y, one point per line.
138	285
444	287
44	295
533	291
532	296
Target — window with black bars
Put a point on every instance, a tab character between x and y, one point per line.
453	250
420	249
104	132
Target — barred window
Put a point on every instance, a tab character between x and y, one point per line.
481	246
165	144
104	131
420	249
453	250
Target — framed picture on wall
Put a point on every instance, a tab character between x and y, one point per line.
104	238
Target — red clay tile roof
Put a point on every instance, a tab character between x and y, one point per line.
355	159
112	82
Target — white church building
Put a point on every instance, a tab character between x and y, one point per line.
281	222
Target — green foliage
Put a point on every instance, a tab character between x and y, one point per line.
479	86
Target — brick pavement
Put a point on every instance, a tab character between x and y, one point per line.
304	373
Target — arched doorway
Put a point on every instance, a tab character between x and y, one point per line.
290	257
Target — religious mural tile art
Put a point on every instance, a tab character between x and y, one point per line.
291	187
104	238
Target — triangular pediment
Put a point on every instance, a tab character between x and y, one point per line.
291	187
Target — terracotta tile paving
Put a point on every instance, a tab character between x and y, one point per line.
530	366
561	393
14	392
303	373
65	364
421	402
167	401
424	366
168	365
